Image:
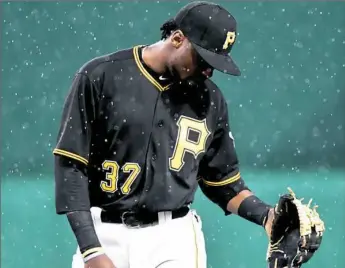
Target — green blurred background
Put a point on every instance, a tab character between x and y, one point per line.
287	113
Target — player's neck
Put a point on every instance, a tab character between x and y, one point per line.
154	57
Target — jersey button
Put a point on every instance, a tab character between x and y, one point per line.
160	123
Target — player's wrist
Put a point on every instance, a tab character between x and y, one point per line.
82	225
268	221
254	210
92	253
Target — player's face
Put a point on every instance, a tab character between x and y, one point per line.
185	61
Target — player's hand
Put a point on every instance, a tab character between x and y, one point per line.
101	261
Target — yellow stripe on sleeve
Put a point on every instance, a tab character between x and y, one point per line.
71	155
225	182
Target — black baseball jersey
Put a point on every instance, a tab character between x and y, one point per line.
142	140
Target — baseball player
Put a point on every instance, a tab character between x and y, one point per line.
141	129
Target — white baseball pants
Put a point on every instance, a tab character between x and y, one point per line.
172	243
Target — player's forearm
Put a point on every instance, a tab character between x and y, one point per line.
83	228
248	206
72	198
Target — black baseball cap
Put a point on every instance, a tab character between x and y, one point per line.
211	29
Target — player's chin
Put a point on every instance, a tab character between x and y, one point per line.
193	77
186	73
185	76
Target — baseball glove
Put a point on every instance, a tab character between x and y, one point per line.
296	234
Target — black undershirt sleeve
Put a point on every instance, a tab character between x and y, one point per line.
71	185
72	198
71	159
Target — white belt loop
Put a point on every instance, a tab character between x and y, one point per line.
161	217
96	214
164	216
168	215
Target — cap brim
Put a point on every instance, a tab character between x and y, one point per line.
222	63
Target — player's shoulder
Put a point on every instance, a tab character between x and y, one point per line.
105	63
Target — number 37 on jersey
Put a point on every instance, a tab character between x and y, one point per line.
183	145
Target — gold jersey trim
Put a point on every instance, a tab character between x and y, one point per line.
145	72
225	182
71	155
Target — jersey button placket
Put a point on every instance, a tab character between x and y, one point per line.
160	123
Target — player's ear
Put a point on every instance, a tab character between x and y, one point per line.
177	38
